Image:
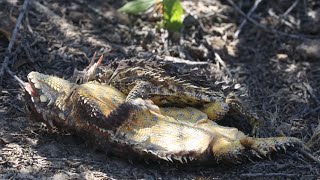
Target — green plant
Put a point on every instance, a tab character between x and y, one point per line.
171	9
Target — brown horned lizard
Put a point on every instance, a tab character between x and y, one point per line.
147	80
138	128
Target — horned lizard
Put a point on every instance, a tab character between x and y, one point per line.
101	114
146	79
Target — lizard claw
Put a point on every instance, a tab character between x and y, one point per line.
238	151
266	146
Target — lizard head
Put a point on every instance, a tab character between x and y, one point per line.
47	95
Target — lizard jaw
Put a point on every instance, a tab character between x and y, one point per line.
48	90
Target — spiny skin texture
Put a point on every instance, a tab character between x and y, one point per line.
145	79
100	114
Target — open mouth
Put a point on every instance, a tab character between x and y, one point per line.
30	89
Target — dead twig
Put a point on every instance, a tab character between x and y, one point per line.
311	92
290	9
27	50
12	40
182	61
22	83
270	29
267	175
253	8
219	59
282	18
311	111
310	156
28	24
314	138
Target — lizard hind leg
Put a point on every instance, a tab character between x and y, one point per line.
215	110
228	151
237	109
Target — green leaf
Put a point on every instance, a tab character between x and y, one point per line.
137	6
173	12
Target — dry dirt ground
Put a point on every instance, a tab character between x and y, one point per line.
279	73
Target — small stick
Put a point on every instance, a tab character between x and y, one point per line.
253	8
218	57
310	91
311	111
12	40
281	19
290	8
310	156
181	61
272	30
16	77
283	16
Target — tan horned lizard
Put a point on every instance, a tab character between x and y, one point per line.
138	128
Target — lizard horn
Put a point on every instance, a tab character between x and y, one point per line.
93	58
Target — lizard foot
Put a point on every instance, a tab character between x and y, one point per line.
240	150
